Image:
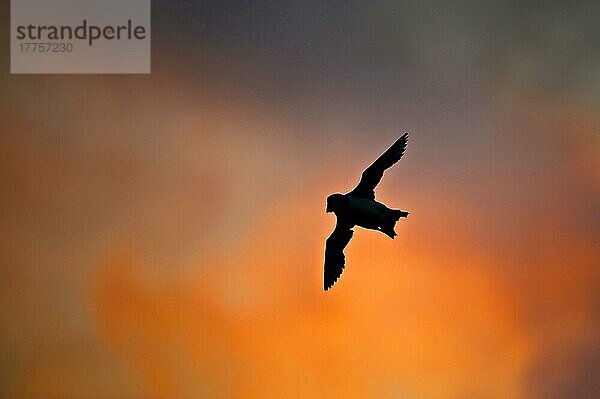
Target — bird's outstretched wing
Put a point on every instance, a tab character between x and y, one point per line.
334	255
372	175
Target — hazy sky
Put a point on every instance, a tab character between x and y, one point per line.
162	236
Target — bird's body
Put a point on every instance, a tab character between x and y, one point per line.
371	214
359	208
368	214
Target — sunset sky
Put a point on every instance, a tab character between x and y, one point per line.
162	235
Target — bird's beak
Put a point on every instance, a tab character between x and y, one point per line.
328	209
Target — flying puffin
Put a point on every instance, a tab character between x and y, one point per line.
359	208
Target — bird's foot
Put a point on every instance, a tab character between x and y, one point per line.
389	232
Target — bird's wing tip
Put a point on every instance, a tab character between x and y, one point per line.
328	287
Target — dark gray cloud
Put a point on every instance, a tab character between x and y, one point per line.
550	47
567	371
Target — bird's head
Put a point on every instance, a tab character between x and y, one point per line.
334	202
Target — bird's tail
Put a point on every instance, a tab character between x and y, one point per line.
394	216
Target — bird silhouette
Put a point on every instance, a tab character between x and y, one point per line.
359	208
